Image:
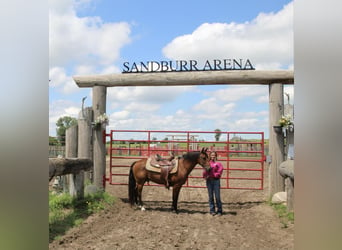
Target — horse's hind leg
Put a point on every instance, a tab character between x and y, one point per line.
140	202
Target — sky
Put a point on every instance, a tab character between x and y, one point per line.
93	37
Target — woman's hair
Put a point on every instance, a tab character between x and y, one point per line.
214	153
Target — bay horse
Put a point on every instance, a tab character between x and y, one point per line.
138	175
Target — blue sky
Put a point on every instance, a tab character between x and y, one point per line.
95	37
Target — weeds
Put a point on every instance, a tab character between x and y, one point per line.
66	212
284	216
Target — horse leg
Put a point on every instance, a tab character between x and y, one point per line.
175	194
139	191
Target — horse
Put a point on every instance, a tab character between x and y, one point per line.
138	175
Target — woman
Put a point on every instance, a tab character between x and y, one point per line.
212	176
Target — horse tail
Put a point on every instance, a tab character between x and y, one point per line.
132	191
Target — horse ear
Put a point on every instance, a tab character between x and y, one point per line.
204	150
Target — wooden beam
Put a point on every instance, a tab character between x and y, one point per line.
187	78
63	166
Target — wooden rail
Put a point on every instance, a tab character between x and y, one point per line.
187	78
64	166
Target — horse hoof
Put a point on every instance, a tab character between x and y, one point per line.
143	209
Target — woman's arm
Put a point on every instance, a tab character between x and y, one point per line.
218	169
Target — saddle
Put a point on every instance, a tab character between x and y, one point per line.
158	161
163	166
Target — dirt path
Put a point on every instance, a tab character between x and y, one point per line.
247	223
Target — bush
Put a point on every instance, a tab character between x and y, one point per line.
66	212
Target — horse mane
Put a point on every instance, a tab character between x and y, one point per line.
191	156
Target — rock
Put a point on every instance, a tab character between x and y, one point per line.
286	169
279	197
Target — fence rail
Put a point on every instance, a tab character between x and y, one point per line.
55	151
241	153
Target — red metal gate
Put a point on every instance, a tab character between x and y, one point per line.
241	153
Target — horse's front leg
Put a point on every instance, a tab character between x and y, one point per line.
175	194
139	191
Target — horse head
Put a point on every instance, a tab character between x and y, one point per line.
203	158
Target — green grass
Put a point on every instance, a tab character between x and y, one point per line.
66	212
284	216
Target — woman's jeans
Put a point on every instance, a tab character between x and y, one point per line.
213	186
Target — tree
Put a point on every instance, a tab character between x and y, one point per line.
217	134
63	123
53	140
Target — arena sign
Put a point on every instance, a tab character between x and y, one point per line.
184	65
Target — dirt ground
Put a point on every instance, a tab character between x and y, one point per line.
247	223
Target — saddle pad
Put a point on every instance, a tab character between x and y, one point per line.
149	167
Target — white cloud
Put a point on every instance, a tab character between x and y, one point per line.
262	99
237	92
58	109
111	69
119	115
142	107
147	94
83	39
82	69
143	99
267	41
245	123
57	76
59	79
88	45
207	105
84	45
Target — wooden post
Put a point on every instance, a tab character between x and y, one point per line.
99	155
276	143
71	135
290	194
85	138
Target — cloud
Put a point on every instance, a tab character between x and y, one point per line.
142	107
124	114
60	108
57	76
89	39
160	94
262	99
60	80
83	45
142	100
267	41
235	93
88	45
